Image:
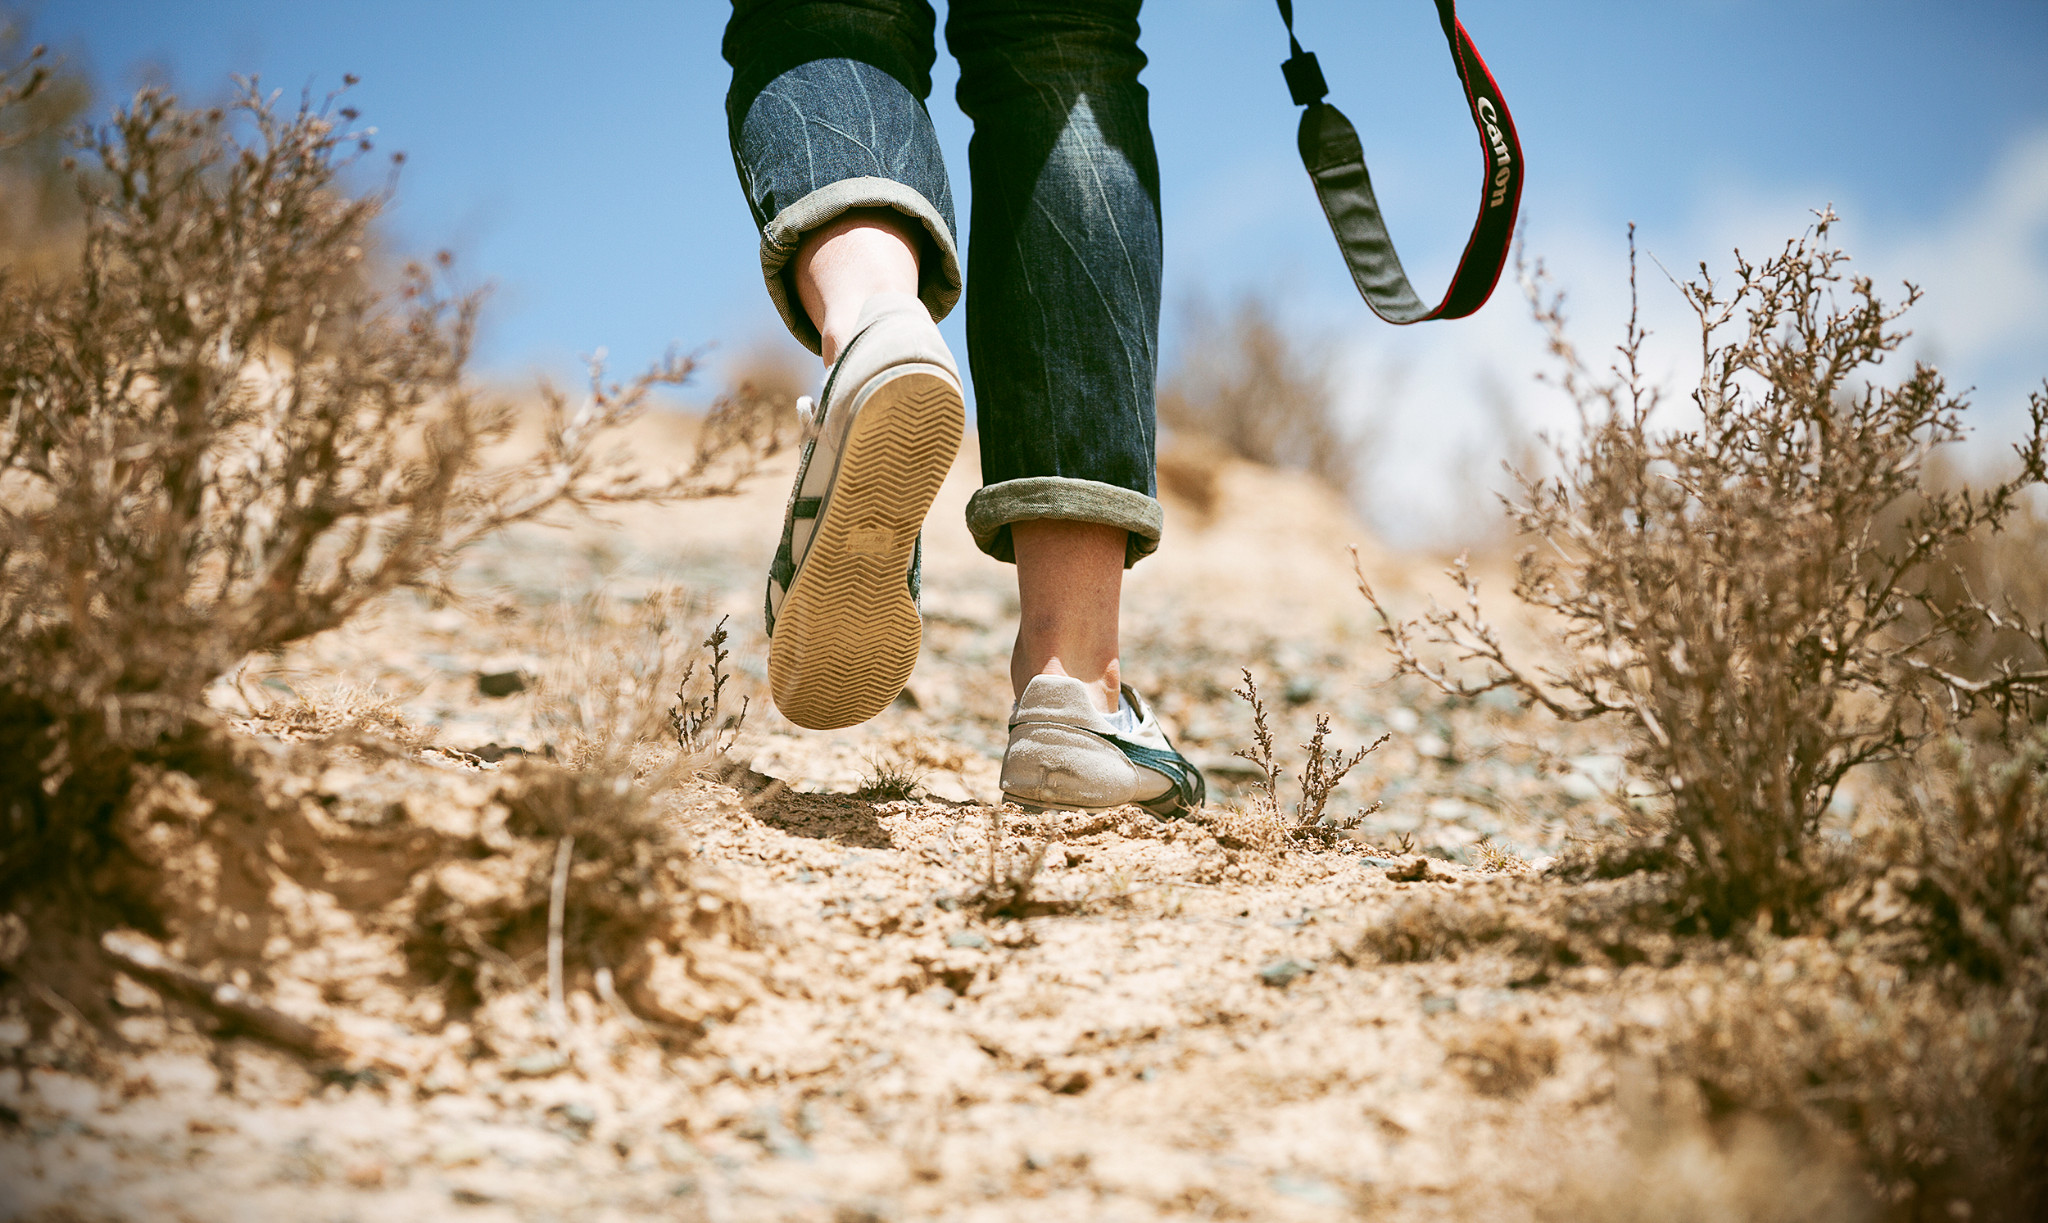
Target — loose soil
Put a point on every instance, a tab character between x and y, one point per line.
829	1001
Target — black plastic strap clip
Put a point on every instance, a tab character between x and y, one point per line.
1305	78
1304	75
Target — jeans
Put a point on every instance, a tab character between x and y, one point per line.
827	113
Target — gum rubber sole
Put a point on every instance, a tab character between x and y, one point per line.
848	632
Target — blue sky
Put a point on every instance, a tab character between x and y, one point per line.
573	157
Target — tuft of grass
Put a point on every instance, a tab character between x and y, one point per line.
890	779
699	728
1496	858
1322	769
1005	889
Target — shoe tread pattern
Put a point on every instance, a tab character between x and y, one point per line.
849	632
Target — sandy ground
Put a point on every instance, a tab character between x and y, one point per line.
1169	1020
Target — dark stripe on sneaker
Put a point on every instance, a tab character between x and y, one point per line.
1188	791
782	571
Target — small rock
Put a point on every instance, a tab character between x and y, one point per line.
967	938
1435	1005
767	1129
501	683
574	1118
538	1065
460	1153
365	1175
13	938
132	995
1282	973
1308	1189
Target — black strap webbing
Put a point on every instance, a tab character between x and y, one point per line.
1330	150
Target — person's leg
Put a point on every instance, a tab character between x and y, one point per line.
842	265
1062	316
1063	328
842	170
1070	578
829	134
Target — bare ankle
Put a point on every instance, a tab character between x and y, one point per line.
1069	580
861	253
1105	689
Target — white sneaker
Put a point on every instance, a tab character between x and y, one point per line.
843	623
1066	755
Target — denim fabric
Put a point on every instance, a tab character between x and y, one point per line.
1064	260
806	153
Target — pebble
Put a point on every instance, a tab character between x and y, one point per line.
1282	973
539	1065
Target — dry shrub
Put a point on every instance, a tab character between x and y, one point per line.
346	864
1749	595
2001	568
1502	1058
225	431
1322	770
1943	1091
1247	389
351	875
575	865
1921	1029
622	691
1613	922
39	101
575	878
750	421
1677	1168
1768	599
223	434
1189	470
1968	845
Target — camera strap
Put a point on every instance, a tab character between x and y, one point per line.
1336	163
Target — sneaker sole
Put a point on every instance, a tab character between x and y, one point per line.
1166	807
848	632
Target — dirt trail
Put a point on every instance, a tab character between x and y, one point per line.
943	1010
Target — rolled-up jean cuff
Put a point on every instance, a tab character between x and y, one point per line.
938	280
991	511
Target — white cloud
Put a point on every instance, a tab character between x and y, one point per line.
1982	266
